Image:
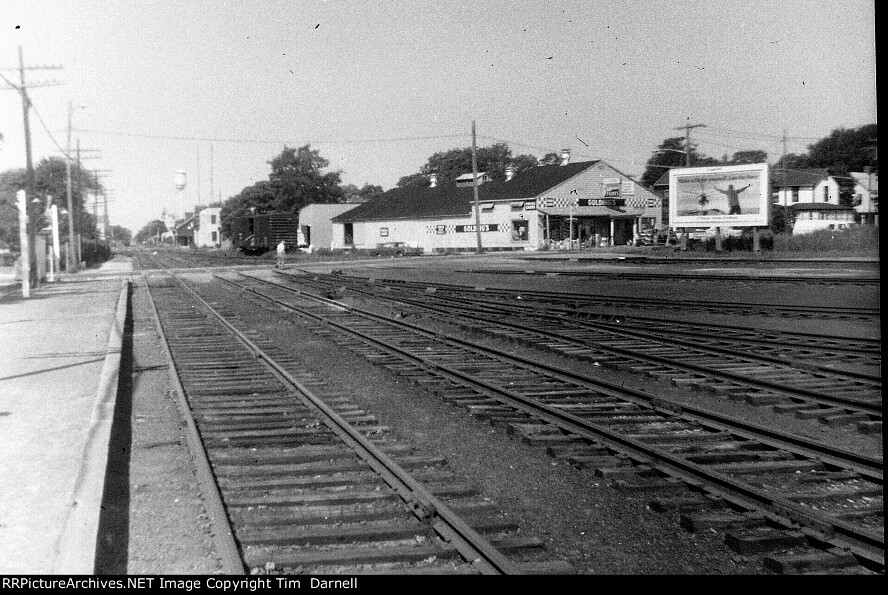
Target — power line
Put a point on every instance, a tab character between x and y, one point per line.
269	142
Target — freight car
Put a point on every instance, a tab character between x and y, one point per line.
260	233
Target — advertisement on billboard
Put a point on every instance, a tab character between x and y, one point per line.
723	196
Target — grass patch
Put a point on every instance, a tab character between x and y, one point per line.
860	240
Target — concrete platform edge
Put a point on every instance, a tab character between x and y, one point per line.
75	550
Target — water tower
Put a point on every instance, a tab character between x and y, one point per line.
179	180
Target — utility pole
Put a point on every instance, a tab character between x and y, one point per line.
31	211
475	187
101	224
71	264
107	222
783	161
198	179
211	172
687	128
29	180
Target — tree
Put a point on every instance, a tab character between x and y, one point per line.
352	193
671	153
50	179
842	152
744	157
296	179
121	235
792	161
152	230
550	159
451	164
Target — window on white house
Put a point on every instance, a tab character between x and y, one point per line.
826	194
214	236
213	220
795	194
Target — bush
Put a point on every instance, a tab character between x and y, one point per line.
94	252
744	242
859	239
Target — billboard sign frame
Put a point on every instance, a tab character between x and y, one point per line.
720	196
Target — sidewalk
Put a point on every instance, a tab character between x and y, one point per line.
59	363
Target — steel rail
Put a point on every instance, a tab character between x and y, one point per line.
592	298
223	535
867	544
869	466
874	344
427	507
633	275
872	409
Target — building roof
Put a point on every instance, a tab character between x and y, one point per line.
662	180
797	177
452	201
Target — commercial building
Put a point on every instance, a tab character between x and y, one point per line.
586	204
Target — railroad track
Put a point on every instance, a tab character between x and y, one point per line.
624	275
586	301
309	482
799	346
805	390
822	507
166	259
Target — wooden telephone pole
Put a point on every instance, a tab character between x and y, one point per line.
687	128
32	211
475	187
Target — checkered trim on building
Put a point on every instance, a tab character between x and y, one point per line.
632	202
433	229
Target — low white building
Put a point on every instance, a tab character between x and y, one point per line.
866	197
315	223
589	203
811	217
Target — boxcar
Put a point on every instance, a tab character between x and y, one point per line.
261	233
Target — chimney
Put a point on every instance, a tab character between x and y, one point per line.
565	156
433	180
510	172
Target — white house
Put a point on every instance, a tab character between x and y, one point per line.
866	197
802	186
207	233
588	202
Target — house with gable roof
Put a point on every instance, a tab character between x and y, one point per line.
801	186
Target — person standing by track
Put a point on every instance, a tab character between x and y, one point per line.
281	251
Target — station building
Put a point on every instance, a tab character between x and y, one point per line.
587	203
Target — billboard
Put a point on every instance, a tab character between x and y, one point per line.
723	196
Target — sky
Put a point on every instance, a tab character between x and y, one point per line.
217	89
